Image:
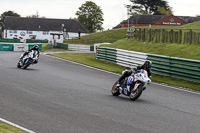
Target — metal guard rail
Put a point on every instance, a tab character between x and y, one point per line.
163	65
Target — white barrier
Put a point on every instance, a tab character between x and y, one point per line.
130	58
121	57
20	47
78	47
96	45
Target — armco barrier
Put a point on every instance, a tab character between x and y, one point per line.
107	54
10	40
75	47
176	67
18	46
79	47
163	65
31	45
121	57
130	58
36	41
62	45
6	47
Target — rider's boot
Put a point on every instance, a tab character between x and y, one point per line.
119	87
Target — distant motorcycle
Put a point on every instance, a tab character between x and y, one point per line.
29	59
133	85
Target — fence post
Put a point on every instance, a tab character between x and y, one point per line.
171	36
156	34
144	35
180	36
163	36
198	38
149	35
190	36
140	34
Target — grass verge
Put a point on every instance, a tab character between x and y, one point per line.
100	37
89	59
187	51
45	48
6	128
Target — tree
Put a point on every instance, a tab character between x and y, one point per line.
91	16
7	13
35	15
149	6
163	11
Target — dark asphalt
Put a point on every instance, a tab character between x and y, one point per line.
57	96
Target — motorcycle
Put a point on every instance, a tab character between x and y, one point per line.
133	85
31	58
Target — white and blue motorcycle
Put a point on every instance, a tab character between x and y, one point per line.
133	85
31	58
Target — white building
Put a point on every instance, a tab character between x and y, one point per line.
42	29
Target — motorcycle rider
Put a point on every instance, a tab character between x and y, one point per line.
35	47
146	66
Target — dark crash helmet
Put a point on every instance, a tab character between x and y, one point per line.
147	64
35	47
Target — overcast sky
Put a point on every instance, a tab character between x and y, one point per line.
114	10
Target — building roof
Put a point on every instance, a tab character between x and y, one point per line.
146	19
151	19
43	24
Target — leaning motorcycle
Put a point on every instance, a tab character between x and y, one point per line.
133	85
29	59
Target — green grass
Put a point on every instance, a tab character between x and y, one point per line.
114	34
6	128
189	51
46	48
195	25
98	37
89	59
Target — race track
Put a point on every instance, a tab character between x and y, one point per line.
58	96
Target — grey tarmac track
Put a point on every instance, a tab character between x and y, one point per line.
58	96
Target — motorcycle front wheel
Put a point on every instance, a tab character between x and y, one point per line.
115	90
26	65
136	94
18	65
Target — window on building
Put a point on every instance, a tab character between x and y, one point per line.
29	32
13	31
45	33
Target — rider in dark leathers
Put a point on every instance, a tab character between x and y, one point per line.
146	66
35	47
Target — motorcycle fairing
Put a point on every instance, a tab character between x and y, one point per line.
126	89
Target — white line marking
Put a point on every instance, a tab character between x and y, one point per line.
17	126
160	84
178	88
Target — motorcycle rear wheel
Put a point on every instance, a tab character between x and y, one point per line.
136	94
115	90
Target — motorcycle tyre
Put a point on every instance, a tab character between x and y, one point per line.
114	91
138	93
18	65
26	65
